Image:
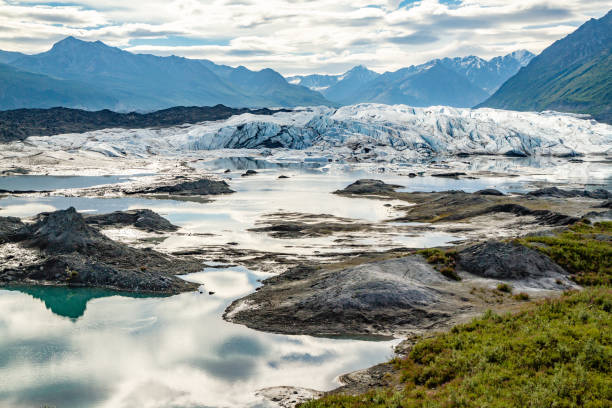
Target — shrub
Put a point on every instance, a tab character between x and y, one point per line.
521	296
444	262
504	287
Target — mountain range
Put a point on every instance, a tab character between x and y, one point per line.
574	74
459	82
120	80
92	75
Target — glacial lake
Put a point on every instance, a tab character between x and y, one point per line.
93	348
46	183
74	348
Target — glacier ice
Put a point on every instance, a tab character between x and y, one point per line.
398	129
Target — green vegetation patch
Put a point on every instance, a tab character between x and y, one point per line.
555	354
443	261
584	250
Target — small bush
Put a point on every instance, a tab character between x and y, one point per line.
444	262
521	296
504	287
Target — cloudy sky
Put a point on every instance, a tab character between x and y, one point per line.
299	36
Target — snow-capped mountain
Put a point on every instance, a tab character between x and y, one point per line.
377	132
460	82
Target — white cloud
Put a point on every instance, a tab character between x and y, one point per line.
299	36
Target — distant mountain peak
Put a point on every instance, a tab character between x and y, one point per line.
523	56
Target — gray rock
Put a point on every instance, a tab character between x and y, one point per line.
8	225
489	191
72	252
369	186
508	261
144	219
402	293
203	186
600	193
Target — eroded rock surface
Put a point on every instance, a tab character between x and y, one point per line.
201	186
369	186
600	193
69	251
144	219
402	293
510	261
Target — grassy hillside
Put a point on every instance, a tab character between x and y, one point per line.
555	353
572	75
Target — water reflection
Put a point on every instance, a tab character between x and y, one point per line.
46	183
251	163
160	352
68	302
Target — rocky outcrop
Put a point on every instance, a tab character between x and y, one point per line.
75	253
404	293
201	186
8	226
368	186
508	261
490	192
144	219
599	194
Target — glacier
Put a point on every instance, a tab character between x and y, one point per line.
370	131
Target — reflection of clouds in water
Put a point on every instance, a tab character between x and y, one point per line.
180	344
25	210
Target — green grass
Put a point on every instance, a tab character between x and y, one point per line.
444	262
584	250
556	353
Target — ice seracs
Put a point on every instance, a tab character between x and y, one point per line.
398	129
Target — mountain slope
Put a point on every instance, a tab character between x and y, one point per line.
344	90
6	57
421	86
574	75
19	89
145	82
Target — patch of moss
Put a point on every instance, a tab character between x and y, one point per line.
443	261
584	250
556	353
